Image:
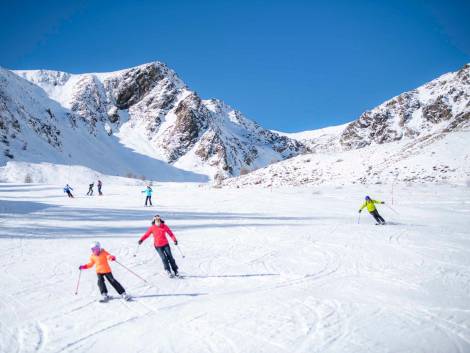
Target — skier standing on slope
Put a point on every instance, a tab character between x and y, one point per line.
148	192
68	190
370	204
159	229
100	257
100	185
90	189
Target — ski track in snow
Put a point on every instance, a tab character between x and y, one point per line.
298	276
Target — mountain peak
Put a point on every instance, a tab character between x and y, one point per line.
418	136
147	109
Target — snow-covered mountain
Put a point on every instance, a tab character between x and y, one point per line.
422	135
440	106
141	121
320	140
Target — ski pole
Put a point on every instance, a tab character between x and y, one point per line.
359	218
136	250
391	209
78	282
182	255
128	269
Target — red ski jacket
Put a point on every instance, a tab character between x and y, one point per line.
159	234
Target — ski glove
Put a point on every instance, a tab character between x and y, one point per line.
82	267
360	211
140	241
383	202
176	242
112	258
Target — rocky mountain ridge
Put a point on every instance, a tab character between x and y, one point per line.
419	136
150	111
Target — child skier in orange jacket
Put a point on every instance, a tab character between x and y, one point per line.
100	257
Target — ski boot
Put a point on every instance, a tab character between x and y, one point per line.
104	298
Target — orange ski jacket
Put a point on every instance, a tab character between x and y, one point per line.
101	262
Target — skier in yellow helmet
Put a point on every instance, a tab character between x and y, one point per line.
370	204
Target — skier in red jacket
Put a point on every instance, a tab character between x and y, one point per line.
158	229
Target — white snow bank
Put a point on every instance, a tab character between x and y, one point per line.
47	173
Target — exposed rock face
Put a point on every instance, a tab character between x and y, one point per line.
213	151
21	114
191	121
130	87
113	115
438	111
153	112
89	101
427	109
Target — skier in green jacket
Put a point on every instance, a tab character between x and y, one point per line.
370	204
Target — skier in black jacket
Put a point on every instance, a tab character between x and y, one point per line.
90	189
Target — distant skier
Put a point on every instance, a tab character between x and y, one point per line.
68	190
100	185
100	257
158	229
90	189
148	192
370	204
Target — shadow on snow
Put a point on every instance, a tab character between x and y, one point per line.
169	295
233	276
62	216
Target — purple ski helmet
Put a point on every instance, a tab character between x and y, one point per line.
96	247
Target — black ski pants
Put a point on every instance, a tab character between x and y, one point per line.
90	192
99	190
112	280
69	194
377	217
148	198
167	258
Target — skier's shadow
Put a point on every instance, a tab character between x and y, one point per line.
233	276
170	295
403	224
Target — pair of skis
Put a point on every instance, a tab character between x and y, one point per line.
106	299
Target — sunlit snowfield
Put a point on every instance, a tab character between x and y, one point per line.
281	270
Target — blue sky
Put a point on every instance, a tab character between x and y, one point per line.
289	65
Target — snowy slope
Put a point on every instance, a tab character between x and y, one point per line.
298	276
150	111
443	159
420	136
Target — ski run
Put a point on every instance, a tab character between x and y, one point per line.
264	270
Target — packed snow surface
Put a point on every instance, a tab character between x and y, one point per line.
266	270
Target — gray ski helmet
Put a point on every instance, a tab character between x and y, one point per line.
96	245
367	198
